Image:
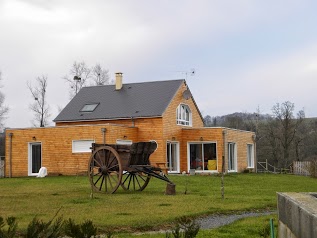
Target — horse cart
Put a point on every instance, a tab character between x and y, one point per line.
111	166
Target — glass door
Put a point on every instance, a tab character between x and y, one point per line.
172	156
35	158
232	157
203	156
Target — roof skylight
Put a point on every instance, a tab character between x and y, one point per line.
89	107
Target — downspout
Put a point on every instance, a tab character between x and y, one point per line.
224	133
10	155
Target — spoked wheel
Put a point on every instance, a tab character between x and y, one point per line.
105	170
135	181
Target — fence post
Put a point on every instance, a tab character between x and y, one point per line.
272	228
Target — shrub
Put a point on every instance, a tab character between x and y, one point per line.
52	229
84	230
40	229
185	228
11	224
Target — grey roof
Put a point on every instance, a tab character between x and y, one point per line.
148	99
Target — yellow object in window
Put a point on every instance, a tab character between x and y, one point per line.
212	165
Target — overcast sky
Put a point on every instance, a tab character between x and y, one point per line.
246	53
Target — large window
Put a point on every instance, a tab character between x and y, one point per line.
203	156
183	115
250	155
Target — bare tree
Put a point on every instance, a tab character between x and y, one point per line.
78	77
271	139
40	107
208	121
99	75
286	127
3	108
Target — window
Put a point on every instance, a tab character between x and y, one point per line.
82	146
250	155
172	156
183	115
123	142
89	107
203	156
232	157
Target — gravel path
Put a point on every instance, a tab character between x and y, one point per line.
214	221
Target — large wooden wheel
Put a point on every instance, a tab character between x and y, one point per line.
105	170
135	181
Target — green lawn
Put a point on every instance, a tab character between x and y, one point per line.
25	198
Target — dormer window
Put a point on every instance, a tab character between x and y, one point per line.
183	115
89	107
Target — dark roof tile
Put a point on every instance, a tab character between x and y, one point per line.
148	99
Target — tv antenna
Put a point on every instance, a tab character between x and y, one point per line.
191	72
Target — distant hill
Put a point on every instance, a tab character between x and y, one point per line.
241	120
234	120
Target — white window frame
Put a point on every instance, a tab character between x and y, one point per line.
250	156
84	147
183	115
176	143
30	173
234	157
202	143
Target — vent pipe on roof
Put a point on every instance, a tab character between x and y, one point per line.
118	81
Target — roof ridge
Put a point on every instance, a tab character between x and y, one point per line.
171	80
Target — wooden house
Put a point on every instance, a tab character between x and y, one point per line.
161	111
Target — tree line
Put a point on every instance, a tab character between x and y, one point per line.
80	75
281	137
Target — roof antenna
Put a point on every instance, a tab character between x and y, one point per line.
191	72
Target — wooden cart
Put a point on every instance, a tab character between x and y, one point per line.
128	166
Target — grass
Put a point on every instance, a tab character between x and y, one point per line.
150	209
